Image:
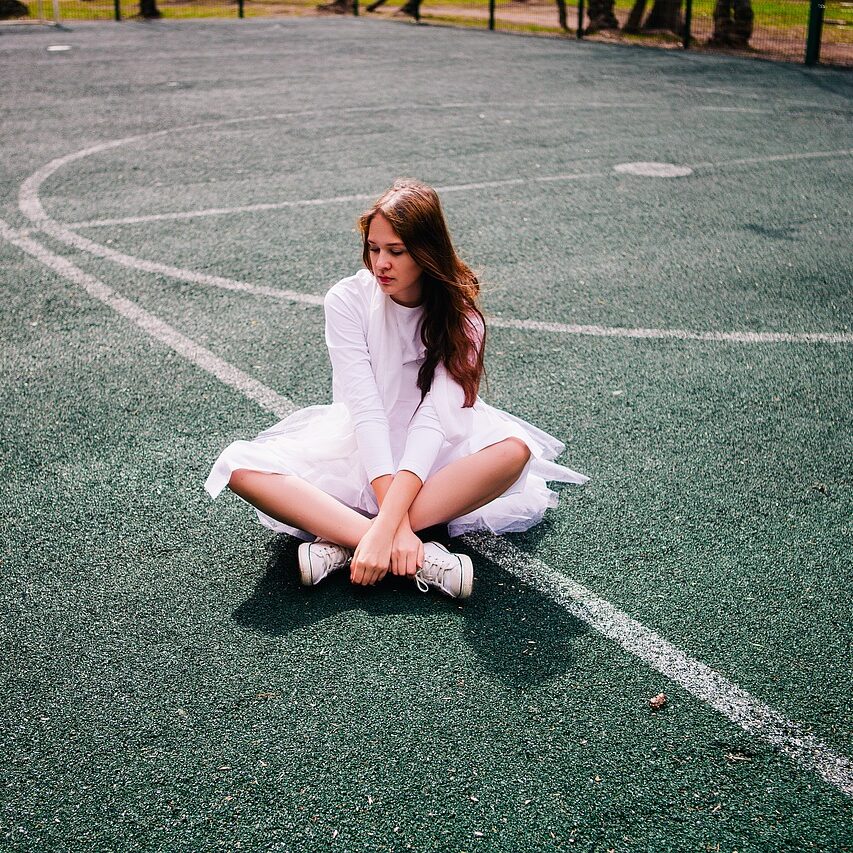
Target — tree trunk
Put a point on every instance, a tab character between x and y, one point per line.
665	15
732	23
632	25
13	9
148	9
412	8
601	16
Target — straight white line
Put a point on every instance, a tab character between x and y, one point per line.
697	678
217	211
677	334
314	202
774	158
151	324
736	110
449	188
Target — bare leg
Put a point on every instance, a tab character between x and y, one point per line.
469	483
297	503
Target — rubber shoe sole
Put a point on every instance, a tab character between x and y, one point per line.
312	569
467	576
306	575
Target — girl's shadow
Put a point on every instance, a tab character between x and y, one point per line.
523	636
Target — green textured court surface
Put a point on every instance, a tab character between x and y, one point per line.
175	199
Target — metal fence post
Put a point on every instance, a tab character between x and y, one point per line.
491	14
117	9
580	19
688	16
355	8
814	33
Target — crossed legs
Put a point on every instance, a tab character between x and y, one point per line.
457	489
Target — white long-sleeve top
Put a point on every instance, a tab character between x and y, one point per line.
406	435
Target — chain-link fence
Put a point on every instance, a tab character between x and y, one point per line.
118	10
776	29
794	30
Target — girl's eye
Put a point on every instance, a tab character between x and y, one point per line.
373	250
396	251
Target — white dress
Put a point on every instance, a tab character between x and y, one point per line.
378	424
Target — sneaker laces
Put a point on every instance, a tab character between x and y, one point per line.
421	584
329	552
434	572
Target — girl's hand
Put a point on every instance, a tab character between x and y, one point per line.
407	552
372	557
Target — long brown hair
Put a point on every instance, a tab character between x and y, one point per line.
451	329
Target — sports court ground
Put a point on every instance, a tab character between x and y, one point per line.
175	199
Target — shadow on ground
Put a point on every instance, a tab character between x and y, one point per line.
522	636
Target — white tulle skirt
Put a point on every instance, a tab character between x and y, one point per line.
318	445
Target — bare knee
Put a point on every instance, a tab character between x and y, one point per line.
237	480
243	480
514	454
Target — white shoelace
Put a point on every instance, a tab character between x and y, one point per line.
434	573
329	553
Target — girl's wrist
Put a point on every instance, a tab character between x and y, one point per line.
384	525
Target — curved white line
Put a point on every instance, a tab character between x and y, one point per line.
31	206
53	229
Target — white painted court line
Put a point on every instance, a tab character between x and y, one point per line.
317	202
89	246
79	242
151	324
216	211
450	188
701	681
30	204
653	169
737	110
676	334
774	158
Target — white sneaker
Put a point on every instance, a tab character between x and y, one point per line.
318	559
453	574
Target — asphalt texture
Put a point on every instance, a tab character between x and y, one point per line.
166	683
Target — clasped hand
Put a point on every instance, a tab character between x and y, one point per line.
377	552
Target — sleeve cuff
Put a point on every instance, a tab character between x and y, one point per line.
422	447
374	448
379	471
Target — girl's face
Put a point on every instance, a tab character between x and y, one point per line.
396	271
